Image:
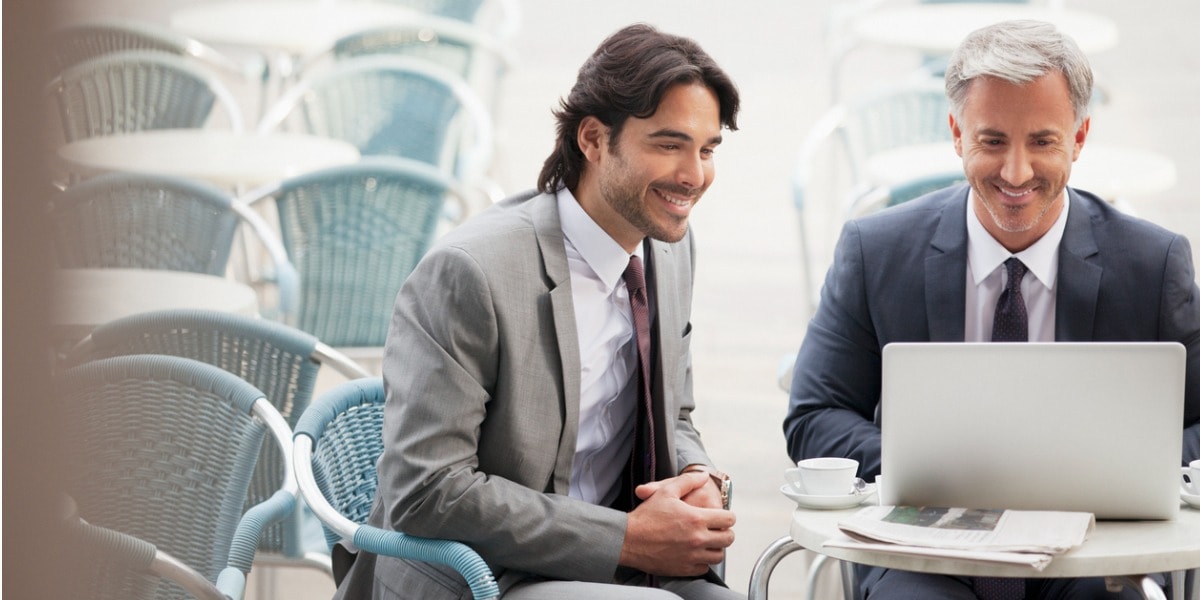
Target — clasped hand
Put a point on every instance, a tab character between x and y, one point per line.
679	529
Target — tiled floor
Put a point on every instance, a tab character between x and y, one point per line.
748	310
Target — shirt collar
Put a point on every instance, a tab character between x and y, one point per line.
603	255
986	254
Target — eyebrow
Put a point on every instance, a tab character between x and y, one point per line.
679	135
1037	134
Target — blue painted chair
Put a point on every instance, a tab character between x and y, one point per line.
337	443
144	221
162	448
282	361
354	233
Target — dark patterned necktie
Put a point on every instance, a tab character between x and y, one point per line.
643	447
1011	323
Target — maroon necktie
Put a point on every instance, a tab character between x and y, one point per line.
1011	323
643	447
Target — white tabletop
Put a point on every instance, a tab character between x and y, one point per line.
1114	548
85	298
1111	171
293	26
938	28
222	157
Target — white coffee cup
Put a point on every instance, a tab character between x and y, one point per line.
826	476
1190	483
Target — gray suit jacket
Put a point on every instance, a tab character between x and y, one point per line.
899	276
482	372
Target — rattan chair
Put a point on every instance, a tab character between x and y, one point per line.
354	233
137	90
79	41
830	170
388	105
337	443
162	448
282	361
144	221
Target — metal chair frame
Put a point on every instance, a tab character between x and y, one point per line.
351	411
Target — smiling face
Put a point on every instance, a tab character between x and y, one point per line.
645	183
1018	142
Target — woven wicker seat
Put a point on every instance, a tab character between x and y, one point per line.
338	441
280	360
354	233
162	448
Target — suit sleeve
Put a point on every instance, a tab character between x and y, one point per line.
1180	315
836	380
441	369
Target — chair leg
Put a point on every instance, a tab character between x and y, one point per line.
766	563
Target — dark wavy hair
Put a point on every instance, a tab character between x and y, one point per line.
627	76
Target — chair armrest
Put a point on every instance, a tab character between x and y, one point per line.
456	555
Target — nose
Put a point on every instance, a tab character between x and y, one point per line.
1017	169
692	171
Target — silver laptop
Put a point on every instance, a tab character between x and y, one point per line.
1093	427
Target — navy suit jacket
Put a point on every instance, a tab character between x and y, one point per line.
900	276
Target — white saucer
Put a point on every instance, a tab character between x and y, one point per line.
1191	500
828	502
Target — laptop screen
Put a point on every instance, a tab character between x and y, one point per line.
1092	427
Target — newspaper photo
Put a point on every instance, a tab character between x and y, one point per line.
1008	536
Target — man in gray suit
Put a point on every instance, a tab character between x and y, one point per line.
512	368
934	269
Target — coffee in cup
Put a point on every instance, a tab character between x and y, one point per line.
825	476
1191	478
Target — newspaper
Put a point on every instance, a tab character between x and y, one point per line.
1023	537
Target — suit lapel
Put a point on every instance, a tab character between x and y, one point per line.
1079	270
665	335
945	268
552	248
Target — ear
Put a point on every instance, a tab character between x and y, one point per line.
956	134
591	137
1080	137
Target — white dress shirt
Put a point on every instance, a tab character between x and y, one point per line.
607	353
986	277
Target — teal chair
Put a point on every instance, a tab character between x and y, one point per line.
354	233
136	90
831	168
388	105
162	448
337	443
282	361
79	41
145	221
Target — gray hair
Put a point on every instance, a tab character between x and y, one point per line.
1019	52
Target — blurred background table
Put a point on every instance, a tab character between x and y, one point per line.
937	28
85	298
222	157
1111	171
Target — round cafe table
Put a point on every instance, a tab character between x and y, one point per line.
938	28
1111	171
85	298
1114	548
222	157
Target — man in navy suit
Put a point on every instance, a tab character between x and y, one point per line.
933	269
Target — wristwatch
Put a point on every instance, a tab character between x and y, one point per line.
724	483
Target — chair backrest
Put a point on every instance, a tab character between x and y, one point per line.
79	41
281	361
354	233
392	106
900	116
132	220
162	448
136	90
346	424
885	196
